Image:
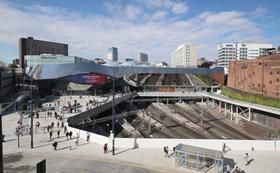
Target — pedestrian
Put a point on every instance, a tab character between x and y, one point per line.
57	124
52	125
55	115
246	158
54	145
67	134
237	170
165	149
48	128
77	141
65	129
38	124
88	137
62	124
224	147
50	134
37	115
3	137
70	134
105	148
58	133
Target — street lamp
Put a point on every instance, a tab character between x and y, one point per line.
113	118
20	99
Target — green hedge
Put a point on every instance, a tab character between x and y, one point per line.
251	98
206	79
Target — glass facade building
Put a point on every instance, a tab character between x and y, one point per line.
32	60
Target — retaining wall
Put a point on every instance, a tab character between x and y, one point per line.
216	144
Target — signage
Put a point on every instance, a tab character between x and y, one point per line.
88	78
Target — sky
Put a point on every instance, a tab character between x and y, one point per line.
155	27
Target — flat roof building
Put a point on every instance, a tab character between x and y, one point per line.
30	46
257	76
143	58
184	56
239	51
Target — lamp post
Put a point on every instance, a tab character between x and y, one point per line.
113	118
31	109
1	143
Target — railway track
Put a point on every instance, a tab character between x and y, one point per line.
174	127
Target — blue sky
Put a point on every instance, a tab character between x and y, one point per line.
155	27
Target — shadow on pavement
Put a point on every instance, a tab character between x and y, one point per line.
64	148
248	163
124	151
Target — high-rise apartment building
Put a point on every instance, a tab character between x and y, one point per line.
112	54
30	46
239	51
184	56
143	57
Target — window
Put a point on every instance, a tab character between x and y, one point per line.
270	82
277	80
270	73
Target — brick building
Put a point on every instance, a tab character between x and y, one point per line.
258	76
30	46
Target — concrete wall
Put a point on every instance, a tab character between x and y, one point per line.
265	145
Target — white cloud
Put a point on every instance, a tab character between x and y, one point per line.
158	15
259	12
179	8
90	36
129	11
132	12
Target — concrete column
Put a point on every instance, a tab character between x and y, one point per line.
213	101
220	106
231	112
225	109
250	114
236	110
202	99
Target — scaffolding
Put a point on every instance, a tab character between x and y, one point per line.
200	159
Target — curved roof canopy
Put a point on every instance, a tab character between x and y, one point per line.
55	71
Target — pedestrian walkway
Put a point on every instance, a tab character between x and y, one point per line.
152	159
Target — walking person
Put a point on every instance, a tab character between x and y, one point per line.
70	134
246	158
88	137
105	148
54	145
57	124
165	149
58	133
67	134
50	134
224	147
48	128
77	141
65	129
